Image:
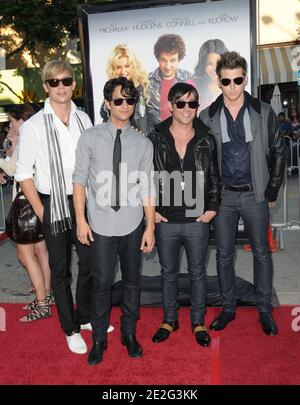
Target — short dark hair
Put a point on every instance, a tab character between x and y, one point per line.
281	114
171	43
231	60
180	89
127	88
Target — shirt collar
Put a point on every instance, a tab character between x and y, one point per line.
113	129
49	110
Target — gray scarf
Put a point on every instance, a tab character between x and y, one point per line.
60	218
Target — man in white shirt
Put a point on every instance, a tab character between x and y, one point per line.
47	148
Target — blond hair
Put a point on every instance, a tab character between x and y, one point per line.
139	75
56	67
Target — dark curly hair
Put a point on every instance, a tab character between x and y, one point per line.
127	88
171	43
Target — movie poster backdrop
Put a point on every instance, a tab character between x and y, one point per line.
103	27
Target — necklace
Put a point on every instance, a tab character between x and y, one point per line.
181	159
182	183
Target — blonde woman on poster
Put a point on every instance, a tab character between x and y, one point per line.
122	62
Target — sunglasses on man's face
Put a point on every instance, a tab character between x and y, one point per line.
119	101
67	81
181	104
237	80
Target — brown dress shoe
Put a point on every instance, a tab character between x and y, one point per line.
164	331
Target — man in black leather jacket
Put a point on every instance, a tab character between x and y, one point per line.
185	160
251	155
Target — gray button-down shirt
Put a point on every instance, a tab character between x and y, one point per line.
94	167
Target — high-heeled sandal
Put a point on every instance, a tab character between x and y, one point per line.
41	311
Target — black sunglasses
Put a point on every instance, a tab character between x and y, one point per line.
237	80
181	104
67	81
119	101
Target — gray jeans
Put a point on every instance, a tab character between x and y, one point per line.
169	238
256	219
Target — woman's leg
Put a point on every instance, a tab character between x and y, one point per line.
26	255
42	255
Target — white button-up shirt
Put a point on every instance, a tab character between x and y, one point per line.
33	157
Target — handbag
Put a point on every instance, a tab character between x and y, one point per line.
22	224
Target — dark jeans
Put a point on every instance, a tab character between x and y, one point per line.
169	238
60	253
256	219
105	250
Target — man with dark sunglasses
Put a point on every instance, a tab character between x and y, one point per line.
251	162
114	162
47	148
185	160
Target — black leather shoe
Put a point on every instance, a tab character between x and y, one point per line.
96	354
268	324
134	349
222	320
164	331
201	335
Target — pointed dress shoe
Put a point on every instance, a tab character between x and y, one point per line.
134	349
96	354
268	324
201	335
164	331
222	320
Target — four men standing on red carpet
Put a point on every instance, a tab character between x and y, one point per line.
237	136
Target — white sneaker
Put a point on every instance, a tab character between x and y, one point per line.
76	343
88	326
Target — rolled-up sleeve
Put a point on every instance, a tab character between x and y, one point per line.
27	151
82	162
147	187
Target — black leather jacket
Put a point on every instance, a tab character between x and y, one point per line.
205	154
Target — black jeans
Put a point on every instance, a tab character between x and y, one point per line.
105	250
194	236
256	220
60	253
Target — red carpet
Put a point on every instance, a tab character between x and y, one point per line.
37	353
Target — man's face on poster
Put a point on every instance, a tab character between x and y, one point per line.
168	63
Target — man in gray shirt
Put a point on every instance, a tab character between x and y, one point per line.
114	162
